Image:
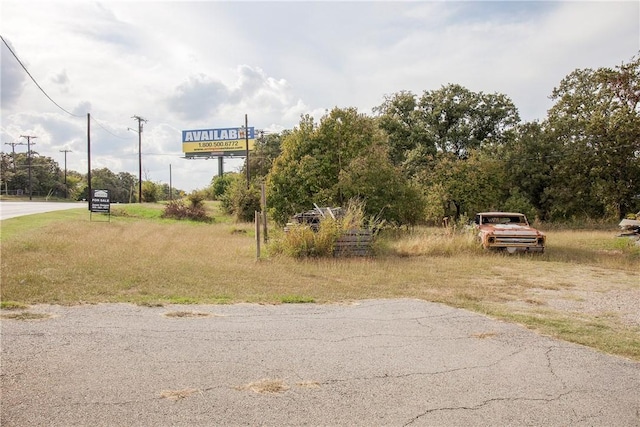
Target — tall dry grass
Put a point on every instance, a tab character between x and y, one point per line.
154	262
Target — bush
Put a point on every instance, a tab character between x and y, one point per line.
240	201
220	184
176	209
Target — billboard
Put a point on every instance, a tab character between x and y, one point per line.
217	142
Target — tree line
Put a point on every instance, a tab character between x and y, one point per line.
452	152
48	180
419	158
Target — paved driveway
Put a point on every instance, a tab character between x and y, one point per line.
15	209
371	363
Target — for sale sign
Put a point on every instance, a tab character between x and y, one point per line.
100	201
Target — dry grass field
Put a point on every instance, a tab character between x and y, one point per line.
585	288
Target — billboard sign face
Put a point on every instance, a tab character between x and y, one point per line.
217	142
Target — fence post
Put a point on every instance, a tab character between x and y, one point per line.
257	221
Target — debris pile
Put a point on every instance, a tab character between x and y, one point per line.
631	228
312	218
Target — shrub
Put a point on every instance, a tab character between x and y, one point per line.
220	184
240	201
176	209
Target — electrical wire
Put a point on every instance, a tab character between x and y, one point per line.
105	129
34	80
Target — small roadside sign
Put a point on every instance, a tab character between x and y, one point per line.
100	202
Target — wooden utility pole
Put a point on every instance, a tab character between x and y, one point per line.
246	141
66	189
29	138
13	151
140	120
89	159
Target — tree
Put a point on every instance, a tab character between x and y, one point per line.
529	160
220	184
459	120
121	186
463	186
388	194
432	137
151	191
401	119
46	176
595	122
325	164
267	148
240	201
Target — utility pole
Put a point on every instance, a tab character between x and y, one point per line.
13	151
140	120
29	138
170	184
89	161
66	190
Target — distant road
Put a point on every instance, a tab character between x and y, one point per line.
15	209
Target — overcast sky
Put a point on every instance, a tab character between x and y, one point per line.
205	64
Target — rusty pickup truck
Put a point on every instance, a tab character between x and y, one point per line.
508	231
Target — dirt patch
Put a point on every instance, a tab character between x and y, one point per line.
178	394
187	314
266	385
484	335
621	303
25	315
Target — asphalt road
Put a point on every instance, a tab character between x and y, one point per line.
16	209
371	363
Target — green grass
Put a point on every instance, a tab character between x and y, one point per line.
296	299
138	211
137	257
24	315
33	223
12	305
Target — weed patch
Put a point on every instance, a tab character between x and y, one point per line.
12	305
295	299
187	314
25	315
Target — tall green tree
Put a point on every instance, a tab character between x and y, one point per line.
459	120
267	148
401	119
528	161
389	195
122	186
595	122
444	139
326	164
46	176
463	186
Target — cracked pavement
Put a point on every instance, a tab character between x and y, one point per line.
375	362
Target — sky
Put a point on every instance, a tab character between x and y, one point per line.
185	65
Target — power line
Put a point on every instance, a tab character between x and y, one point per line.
105	129
34	80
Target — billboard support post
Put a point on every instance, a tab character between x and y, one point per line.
246	140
